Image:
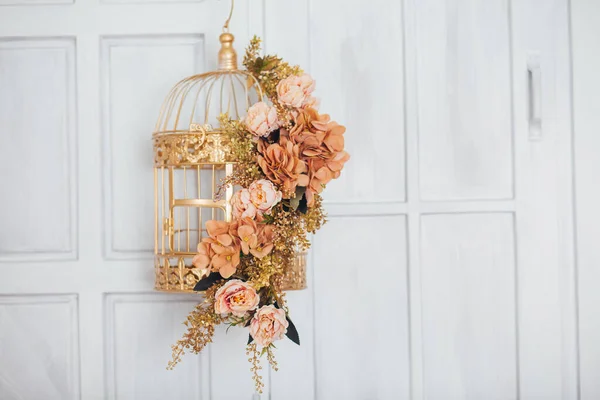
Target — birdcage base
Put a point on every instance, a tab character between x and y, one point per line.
174	276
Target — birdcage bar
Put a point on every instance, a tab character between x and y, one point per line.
161	227
155	211
180	233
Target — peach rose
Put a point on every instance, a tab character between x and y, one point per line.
236	297
262	119
281	164
264	195
268	324
242	205
295	91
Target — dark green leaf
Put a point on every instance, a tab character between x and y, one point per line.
274	136
303	204
259	63
250	339
207	282
292	332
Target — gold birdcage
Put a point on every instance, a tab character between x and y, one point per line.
191	157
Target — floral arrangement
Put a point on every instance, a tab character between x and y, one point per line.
286	153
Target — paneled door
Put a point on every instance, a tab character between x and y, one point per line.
445	271
81	84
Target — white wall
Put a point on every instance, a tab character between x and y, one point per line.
447	270
585	20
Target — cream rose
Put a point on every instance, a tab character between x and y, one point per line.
307	83
236	297
264	195
311	102
242	205
268	324
295	91
262	119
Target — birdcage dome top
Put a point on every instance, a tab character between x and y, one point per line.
187	128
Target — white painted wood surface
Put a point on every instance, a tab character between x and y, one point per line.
468	306
446	270
463	86
585	20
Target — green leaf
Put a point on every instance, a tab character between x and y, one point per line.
268	219
300	190
271	63
294	203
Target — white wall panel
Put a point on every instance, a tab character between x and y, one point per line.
139	332
356	59
297	363
34	2
230	376
464	99
469	307
38	206
137	74
585	20
544	204
288	37
39	347
361	309
142	2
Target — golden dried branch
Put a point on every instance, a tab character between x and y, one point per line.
268	70
271	358
200	325
254	359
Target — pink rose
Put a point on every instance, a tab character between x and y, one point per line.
268	324
262	119
264	195
295	91
236	297
242	205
